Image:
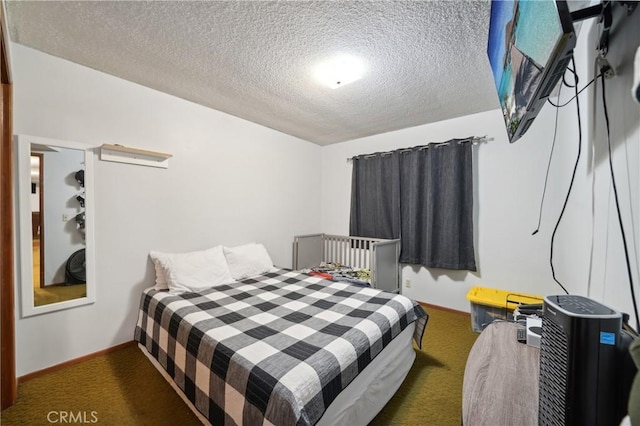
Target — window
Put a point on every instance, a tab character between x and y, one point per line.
422	195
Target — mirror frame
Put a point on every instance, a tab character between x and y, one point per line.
23	144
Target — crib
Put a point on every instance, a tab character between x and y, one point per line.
378	255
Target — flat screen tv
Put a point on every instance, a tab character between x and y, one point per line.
530	45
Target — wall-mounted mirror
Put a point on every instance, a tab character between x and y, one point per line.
55	224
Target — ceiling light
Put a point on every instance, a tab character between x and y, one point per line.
339	71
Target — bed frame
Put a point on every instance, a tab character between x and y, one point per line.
362	399
378	255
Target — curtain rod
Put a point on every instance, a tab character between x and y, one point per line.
475	140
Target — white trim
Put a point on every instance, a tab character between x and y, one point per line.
22	144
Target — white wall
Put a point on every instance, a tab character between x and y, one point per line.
608	279
509	180
229	182
61	238
503	231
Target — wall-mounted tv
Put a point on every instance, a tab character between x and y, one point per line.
530	45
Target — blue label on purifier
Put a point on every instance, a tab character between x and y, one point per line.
607	338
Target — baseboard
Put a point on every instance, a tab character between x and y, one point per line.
442	308
74	361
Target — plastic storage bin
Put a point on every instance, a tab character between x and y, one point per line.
489	304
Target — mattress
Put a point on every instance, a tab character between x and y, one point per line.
274	349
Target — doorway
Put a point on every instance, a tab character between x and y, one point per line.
37	218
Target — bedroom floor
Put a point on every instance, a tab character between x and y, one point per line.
432	392
123	388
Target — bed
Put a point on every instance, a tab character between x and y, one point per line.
379	257
282	348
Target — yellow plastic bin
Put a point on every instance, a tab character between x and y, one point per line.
488	304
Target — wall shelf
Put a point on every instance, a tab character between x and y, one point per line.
123	154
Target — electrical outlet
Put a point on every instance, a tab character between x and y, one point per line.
407	283
605	68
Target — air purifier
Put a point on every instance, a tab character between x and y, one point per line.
585	366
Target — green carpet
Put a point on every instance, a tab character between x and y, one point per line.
123	388
432	392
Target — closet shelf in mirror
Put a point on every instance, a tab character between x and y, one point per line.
123	154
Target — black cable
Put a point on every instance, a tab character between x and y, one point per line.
555	132
615	193
575	78
569	101
573	176
546	177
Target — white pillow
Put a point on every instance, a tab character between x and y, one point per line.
248	260
193	271
158	259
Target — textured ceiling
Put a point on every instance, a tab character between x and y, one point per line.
426	60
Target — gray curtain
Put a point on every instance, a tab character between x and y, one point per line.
433	213
375	196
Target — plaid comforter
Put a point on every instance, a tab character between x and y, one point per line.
276	349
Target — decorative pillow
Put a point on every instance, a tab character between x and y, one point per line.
248	260
193	271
